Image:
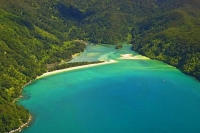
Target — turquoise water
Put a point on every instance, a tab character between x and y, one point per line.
128	96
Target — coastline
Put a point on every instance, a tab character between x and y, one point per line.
24	125
75	68
124	56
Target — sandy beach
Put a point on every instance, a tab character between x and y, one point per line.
75	68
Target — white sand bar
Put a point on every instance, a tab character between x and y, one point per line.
75	68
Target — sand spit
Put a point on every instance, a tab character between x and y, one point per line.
75	68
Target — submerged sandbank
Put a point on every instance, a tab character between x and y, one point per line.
75	68
136	57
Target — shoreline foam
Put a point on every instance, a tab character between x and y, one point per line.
74	68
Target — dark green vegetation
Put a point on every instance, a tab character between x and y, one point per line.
40	32
118	46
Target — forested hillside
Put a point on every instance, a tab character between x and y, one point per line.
40	32
27	44
172	37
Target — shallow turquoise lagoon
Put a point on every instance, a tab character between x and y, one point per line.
128	96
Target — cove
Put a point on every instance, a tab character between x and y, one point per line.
132	95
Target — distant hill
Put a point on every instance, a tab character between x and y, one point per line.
40	32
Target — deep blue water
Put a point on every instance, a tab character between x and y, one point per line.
129	96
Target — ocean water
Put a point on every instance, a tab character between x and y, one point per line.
128	96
